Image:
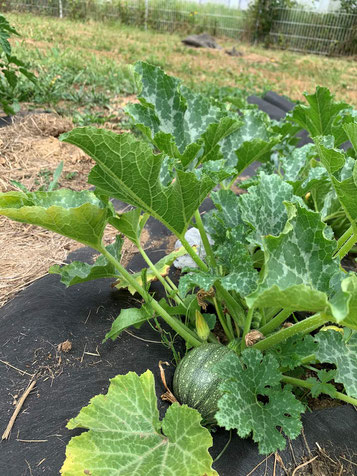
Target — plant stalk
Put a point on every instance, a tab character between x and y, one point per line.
247	324
347	246
222	319
275	322
305	326
153	268
173	322
342	240
302	383
235	308
206	244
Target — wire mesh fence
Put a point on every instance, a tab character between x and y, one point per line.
331	33
293	29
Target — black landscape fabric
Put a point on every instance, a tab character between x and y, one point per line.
47	314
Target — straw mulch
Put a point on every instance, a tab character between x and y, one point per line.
27	147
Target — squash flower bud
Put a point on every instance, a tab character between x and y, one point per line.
201	326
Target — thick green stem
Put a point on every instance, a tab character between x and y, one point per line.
173	322
302	383
201	264
275	322
305	326
222	319
153	268
206	244
235	309
342	240
349	244
247	324
271	312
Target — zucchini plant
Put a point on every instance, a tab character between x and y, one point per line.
271	270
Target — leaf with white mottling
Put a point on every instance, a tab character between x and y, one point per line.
126	437
263	206
177	120
298	267
340	169
245	378
294	163
334	349
290	353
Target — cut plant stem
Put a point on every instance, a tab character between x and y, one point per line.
305	326
205	241
302	383
276	321
173	322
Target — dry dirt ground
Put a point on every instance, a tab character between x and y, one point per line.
29	151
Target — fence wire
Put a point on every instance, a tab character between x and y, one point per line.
320	33
293	29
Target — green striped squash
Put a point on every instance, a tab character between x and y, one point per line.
195	384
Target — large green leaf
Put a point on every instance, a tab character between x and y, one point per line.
128	170
299	266
177	120
253	140
295	162
255	150
334	161
263	206
322	116
335	349
126	437
79	272
78	215
244	380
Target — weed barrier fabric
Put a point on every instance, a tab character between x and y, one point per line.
46	314
33	324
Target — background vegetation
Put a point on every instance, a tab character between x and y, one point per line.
83	67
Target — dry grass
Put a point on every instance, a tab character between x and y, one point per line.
27	146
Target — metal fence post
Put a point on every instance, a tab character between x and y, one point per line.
146	14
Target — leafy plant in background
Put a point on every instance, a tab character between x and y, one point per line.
10	70
271	269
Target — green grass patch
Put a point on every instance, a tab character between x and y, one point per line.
83	67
